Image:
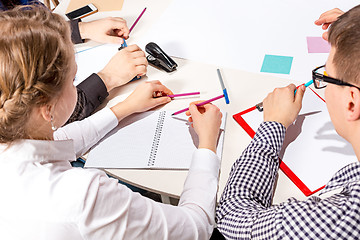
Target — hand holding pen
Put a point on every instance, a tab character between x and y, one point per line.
282	106
141	99
206	121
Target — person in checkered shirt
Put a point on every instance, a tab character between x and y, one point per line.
245	209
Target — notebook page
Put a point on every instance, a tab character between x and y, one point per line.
178	142
312	149
93	60
128	145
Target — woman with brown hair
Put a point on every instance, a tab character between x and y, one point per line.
43	197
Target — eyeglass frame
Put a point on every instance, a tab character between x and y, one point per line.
328	79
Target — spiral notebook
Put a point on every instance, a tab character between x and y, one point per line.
150	140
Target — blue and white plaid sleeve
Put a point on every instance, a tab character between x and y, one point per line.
245	211
248	191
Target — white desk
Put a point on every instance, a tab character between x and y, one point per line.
245	89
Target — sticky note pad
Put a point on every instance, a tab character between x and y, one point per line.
276	64
317	45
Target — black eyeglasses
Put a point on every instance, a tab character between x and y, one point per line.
320	80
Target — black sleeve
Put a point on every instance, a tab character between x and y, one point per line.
91	93
75	32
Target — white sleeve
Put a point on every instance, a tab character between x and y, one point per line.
111	210
89	131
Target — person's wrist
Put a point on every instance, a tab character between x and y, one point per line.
208	142
107	80
82	30
122	110
284	123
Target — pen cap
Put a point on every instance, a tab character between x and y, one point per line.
159	58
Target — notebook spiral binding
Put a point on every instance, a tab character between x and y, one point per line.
156	140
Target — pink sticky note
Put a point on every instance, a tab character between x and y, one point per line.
317	45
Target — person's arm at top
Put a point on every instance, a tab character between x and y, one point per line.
106	30
124	65
244	208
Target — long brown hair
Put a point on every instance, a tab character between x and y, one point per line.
35	58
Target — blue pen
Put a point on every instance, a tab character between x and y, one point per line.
124	45
259	106
306	84
223	87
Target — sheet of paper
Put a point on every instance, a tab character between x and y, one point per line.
101	5
121	148
317	45
312	149
237	34
93	60
276	64
133	144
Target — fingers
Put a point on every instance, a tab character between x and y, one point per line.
120	24
325	36
133	48
157	86
113	39
161	100
292	88
299	95
329	17
193	110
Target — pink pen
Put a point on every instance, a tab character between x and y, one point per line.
183	94
136	21
199	104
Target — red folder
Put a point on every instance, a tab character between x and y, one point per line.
286	170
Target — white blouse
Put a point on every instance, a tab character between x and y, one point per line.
43	197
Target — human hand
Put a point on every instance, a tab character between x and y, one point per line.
328	18
106	30
142	99
124	66
282	106
206	121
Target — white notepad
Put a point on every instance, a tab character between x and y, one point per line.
149	140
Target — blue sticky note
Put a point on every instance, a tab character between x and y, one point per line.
276	64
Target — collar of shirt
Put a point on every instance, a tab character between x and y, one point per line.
349	173
28	150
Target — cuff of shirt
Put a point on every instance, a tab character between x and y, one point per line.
272	133
105	120
205	160
94	89
75	32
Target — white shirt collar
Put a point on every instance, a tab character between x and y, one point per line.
38	150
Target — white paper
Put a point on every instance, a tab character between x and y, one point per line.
93	60
238	33
129	145
312	149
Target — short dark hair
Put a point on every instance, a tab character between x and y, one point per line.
344	36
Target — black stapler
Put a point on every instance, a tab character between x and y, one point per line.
158	58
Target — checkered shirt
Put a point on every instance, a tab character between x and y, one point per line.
245	210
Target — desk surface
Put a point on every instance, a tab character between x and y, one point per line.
244	88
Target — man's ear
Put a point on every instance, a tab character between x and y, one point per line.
353	105
45	112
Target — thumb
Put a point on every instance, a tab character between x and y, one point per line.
113	40
161	100
299	94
